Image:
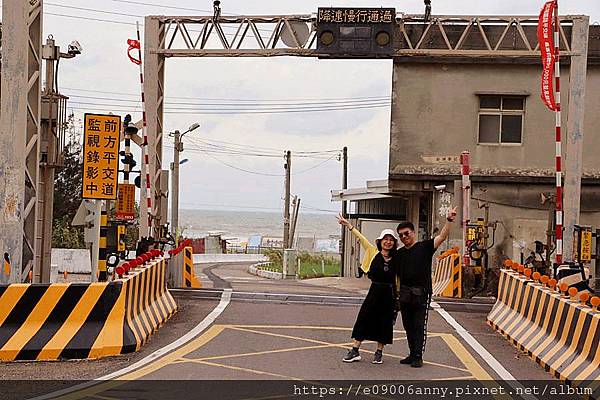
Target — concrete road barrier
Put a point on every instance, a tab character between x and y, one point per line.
554	326
181	267
84	320
447	277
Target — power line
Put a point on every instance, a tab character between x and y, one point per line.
231	99
318	209
164	6
242	148
233	112
125	15
257	172
249	154
314	166
258	103
90	19
93	10
241	169
265	107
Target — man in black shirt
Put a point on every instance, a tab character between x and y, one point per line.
415	284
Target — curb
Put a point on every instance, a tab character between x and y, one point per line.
254	270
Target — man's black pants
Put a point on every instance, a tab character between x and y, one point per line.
414	319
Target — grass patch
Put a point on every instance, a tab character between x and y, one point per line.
311	265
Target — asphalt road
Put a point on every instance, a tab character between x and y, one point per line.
280	331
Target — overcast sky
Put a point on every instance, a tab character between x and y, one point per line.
216	179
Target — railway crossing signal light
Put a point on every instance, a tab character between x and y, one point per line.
128	159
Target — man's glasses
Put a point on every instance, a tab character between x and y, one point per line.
404	234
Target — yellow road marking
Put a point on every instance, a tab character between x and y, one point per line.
466	358
258	353
253	371
178	356
441	365
321	344
200	341
471	363
329	328
97	396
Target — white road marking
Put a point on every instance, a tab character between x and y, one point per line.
482	351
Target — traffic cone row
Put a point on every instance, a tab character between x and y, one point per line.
180	248
553	285
150	255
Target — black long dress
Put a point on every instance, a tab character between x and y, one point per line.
375	320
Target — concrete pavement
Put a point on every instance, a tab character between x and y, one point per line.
274	330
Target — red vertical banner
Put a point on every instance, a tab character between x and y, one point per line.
545	34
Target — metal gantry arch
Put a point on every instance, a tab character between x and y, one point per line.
451	38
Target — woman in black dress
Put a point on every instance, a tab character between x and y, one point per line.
375	320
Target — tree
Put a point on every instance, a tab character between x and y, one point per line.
67	190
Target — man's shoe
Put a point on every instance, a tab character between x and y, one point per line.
417	363
352	356
407	360
378	358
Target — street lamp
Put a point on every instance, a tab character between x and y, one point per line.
178	145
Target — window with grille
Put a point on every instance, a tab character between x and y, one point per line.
501	119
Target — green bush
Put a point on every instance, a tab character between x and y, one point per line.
275	257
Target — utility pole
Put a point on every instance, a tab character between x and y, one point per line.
574	156
344	207
286	210
178	147
53	117
48	161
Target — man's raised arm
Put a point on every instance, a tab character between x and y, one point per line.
443	235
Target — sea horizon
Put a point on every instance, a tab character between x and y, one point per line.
199	222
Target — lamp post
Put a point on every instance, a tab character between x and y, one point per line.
178	144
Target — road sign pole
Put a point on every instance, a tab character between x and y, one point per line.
96	243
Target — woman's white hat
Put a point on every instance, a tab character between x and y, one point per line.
387	232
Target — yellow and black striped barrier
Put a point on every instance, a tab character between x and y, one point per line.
555	328
84	320
102	252
148	304
181	267
447	277
189	277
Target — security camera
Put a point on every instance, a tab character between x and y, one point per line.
440	187
74	48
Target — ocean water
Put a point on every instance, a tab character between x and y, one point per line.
241	224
